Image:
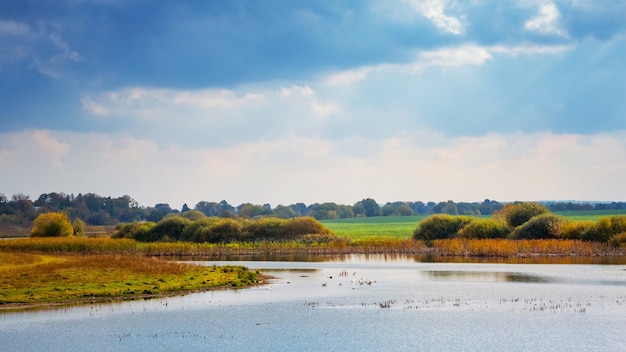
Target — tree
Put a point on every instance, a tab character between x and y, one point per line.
324	211
250	211
52	225
397	209
370	206
300	208
79	227
449	207
285	212
208	208
159	212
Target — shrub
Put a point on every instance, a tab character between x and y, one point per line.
305	225
544	226
516	214
193	232
139	231
223	230
485	228
440	226
265	228
193	215
79	227
170	228
605	228
576	230
52	225
618	239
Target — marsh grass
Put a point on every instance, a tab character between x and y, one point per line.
521	248
40	278
83	245
448	247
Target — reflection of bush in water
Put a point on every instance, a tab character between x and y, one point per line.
516	277
483	276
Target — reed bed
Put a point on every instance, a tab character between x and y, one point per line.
85	245
447	247
521	248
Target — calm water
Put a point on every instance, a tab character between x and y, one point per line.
372	303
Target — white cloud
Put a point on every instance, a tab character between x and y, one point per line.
296	90
13	28
529	49
143	101
463	55
349	76
455	56
40	148
444	57
435	11
217	116
43	47
503	167
546	21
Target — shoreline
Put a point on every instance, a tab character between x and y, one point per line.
18	307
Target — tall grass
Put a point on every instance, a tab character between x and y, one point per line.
447	247
70	245
521	248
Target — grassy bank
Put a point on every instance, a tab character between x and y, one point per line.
39	278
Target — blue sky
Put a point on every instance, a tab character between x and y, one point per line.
298	101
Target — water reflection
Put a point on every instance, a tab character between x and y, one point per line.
483	276
322	306
422	258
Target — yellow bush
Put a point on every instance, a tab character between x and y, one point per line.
52	225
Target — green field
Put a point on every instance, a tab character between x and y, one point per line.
403	226
378	226
592	215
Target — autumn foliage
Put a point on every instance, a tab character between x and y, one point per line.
522	221
52	225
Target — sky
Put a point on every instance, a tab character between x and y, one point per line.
281	102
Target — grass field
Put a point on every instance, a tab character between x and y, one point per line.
379	226
592	215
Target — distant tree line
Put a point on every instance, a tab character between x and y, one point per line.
94	209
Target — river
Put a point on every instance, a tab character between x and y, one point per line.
354	303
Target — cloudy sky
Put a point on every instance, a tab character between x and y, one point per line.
314	101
